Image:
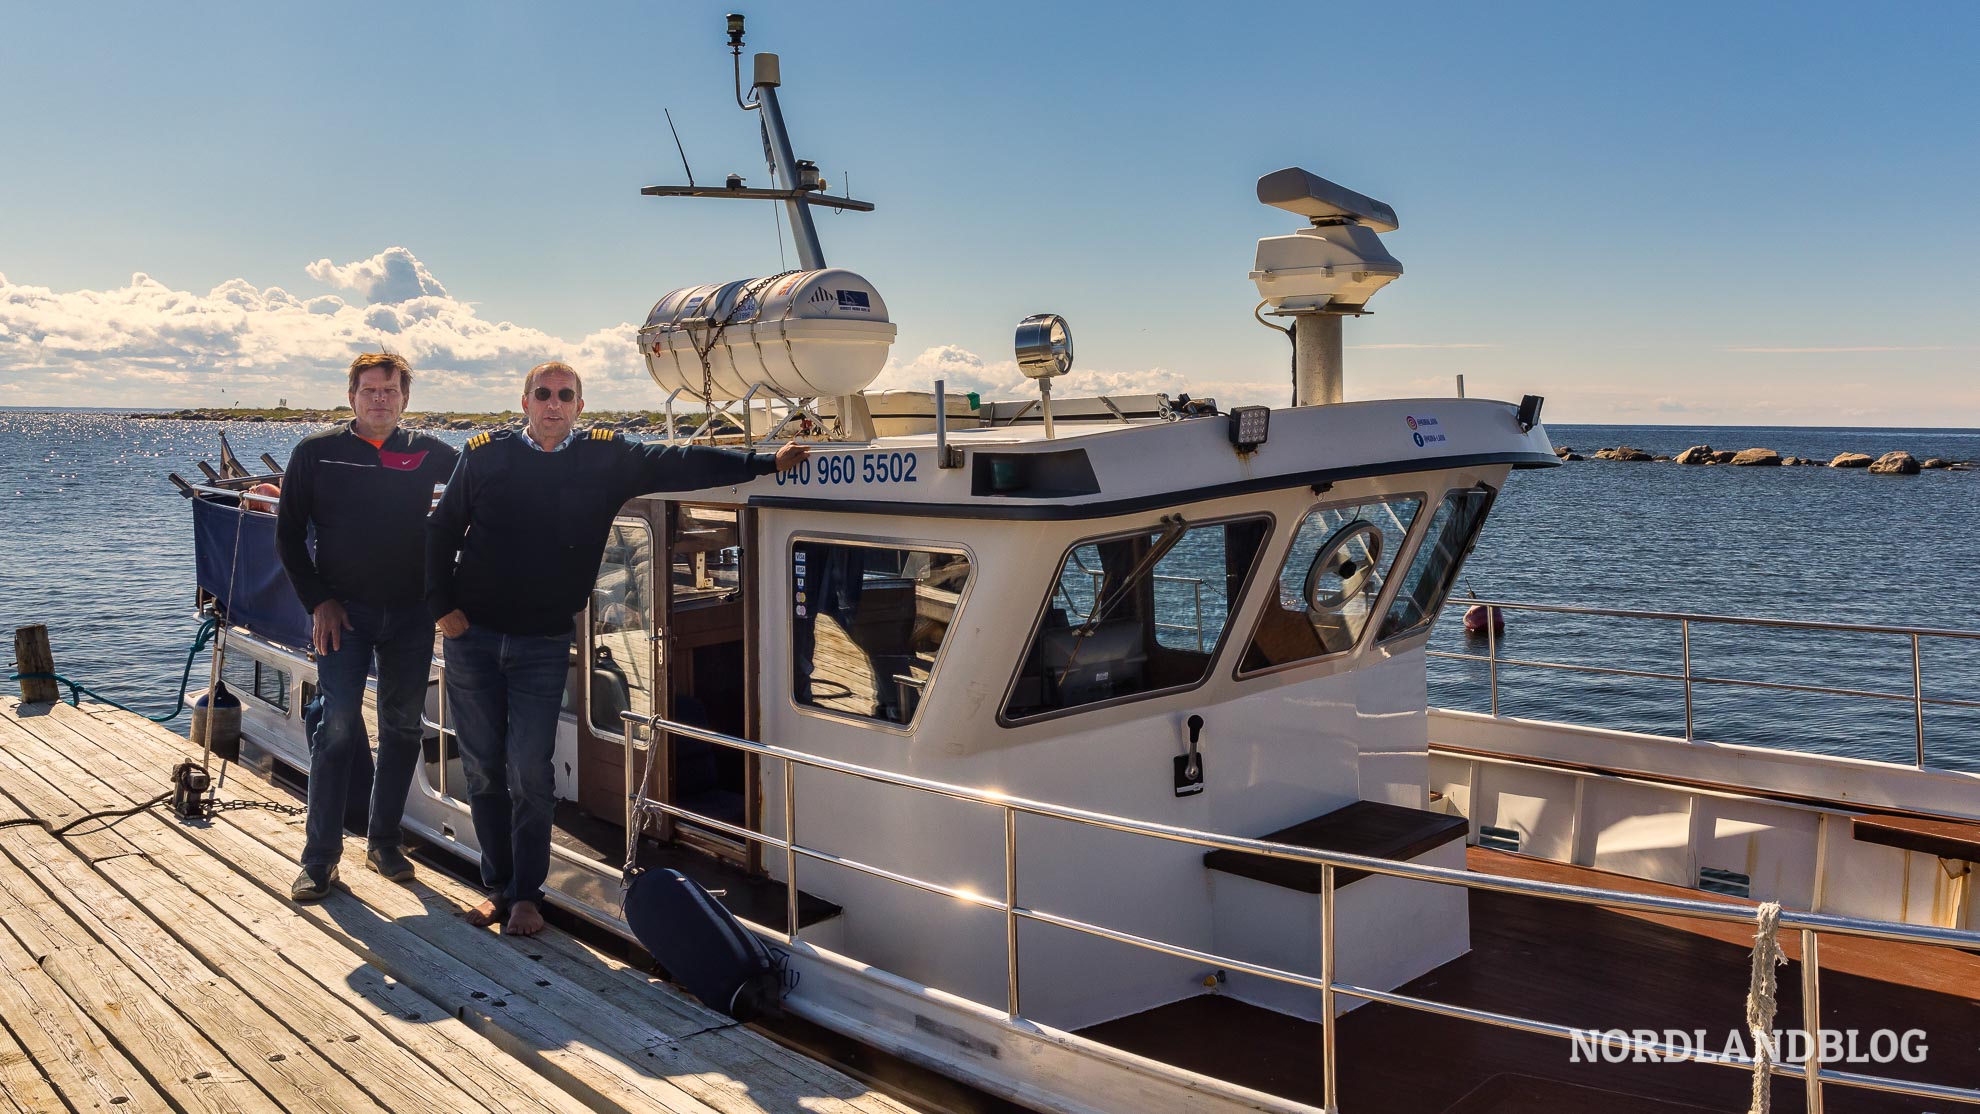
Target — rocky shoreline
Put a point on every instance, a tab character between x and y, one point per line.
1896	463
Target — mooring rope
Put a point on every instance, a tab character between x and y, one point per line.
1767	955
207	628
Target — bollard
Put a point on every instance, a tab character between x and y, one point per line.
33	655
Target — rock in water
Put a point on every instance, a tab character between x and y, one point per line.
1899	463
1723	456
1696	454
1622	452
1850	460
1935	462
1563	451
1757	457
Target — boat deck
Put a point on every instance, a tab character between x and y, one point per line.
1594	968
151	964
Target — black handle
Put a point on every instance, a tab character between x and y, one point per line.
1195	730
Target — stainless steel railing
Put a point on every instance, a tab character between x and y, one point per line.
1808	925
1690	678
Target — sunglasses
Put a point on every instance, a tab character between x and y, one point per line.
566	395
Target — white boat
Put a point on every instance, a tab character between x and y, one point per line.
1081	749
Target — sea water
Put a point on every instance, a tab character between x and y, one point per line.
97	544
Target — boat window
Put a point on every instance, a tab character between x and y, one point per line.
1333	574
707	556
1453	531
868	623
264	682
622	615
1136	614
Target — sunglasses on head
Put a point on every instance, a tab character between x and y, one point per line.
566	395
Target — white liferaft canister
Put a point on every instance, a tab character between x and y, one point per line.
807	334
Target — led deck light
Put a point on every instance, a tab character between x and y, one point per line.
1249	426
1529	412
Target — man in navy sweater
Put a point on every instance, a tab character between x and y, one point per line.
512	551
365	487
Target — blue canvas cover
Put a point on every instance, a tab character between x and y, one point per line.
254	592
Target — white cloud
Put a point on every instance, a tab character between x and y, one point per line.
145	344
393	275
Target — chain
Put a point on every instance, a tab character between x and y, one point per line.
271	806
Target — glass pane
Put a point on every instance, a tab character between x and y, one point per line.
1453	531
622	626
707	553
869	623
1136	614
1334	572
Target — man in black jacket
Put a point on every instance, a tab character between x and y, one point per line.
366	488
512	551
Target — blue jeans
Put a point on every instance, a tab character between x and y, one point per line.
504	692
340	768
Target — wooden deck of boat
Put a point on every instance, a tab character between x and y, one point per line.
151	964
1595	968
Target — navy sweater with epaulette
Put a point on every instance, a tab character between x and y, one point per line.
517	537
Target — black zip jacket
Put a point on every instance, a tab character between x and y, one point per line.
517	537
369	507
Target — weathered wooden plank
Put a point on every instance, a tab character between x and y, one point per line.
393	1077
51	1054
178	1060
647	1016
641	991
552	1045
22	1086
747	1068
115	931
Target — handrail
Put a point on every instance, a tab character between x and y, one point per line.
1703	617
1689	678
1808	924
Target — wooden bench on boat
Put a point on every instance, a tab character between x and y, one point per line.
1363	828
1948	839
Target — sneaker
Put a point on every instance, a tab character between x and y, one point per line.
391	862
313	884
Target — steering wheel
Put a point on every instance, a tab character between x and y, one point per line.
1333	559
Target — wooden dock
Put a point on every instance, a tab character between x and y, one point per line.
152	964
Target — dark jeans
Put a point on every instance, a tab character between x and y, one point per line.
340	768
504	692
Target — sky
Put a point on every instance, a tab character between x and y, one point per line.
1678	213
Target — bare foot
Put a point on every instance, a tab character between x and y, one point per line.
484	914
524	920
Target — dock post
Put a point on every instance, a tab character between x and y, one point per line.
32	655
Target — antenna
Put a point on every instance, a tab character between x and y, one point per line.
798	183
678	147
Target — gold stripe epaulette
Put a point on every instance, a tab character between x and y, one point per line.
478	440
601	434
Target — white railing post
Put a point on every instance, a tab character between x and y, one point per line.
1918	699
790	849
1685	628
1811	1018
1010	913
1330	1090
1492	656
